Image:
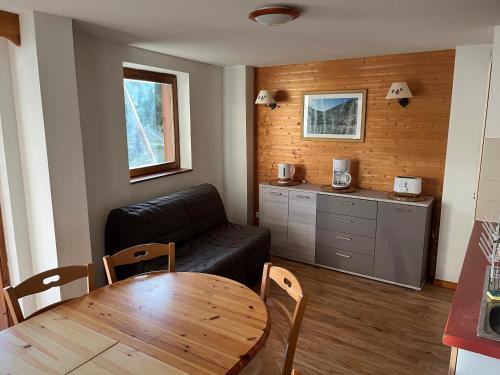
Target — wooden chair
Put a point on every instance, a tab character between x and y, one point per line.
42	282
137	254
264	363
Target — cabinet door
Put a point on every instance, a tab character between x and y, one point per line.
274	216
401	243
301	226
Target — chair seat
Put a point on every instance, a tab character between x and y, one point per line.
262	364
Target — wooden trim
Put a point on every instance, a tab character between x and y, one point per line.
445	284
453	361
154	176
363	115
5	320
166	78
293	12
152	169
9	27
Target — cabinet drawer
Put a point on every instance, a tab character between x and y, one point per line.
347	206
344	260
302	211
347	224
345	241
275	203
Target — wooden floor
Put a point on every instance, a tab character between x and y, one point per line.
357	326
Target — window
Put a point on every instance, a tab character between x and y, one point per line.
151	121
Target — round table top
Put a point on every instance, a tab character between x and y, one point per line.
197	323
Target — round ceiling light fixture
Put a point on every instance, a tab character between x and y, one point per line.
274	15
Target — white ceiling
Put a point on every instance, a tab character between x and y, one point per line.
219	32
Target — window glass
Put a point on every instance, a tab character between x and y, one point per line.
149	122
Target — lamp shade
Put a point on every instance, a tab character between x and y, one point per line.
399	90
265	97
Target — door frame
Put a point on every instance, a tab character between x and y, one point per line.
5	320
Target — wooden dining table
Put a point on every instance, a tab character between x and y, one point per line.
157	323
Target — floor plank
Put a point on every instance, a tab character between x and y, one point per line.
354	325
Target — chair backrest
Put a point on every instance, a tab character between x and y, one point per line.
44	281
137	254
288	282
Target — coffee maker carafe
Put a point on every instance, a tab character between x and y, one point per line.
341	176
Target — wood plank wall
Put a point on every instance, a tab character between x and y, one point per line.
398	141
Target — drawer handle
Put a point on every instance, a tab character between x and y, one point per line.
343	255
344	238
402	209
303	196
345	202
275	193
345	220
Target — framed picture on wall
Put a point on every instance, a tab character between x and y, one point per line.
334	115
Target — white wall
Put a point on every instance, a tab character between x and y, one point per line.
12	200
31	132
488	204
100	92
56	64
463	156
238	142
493	120
50	149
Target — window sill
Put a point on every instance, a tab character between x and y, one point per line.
152	176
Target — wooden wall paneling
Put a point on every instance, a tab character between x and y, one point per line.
9	27
398	141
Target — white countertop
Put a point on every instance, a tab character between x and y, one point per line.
373	195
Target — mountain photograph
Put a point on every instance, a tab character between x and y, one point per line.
332	116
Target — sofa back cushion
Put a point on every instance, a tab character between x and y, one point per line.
178	217
159	220
204	206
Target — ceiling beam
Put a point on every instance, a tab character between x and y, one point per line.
9	27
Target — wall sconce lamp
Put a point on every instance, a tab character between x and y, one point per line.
265	97
401	92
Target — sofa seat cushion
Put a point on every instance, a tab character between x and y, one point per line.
221	243
230	250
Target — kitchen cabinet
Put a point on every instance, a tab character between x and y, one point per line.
274	216
402	242
363	233
291	217
301	226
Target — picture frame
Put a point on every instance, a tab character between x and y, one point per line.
334	115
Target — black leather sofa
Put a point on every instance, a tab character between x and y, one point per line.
196	221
